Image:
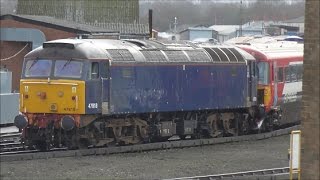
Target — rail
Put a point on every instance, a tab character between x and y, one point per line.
142	147
241	175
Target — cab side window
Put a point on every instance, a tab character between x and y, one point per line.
94	70
280	74
300	72
104	67
287	74
293	71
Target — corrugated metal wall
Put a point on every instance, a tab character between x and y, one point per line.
99	11
194	34
9	102
5	82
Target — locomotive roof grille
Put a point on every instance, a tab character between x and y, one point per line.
58	44
198	56
230	55
154	56
223	56
213	54
120	55
176	56
237	54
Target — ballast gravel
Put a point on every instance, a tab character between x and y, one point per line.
162	164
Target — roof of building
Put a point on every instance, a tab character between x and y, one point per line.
287	27
224	29
184	27
71	26
295	20
138	29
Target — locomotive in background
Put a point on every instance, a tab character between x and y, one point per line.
93	92
280	71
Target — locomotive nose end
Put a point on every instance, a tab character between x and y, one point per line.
67	123
20	121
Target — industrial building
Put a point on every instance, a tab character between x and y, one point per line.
223	33
91	11
22	33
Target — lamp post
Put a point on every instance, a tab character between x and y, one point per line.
240	25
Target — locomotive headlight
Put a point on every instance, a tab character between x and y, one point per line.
267	91
267	96
67	123
60	93
21	121
42	95
53	107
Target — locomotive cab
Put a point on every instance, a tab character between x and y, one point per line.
64	86
59	92
264	90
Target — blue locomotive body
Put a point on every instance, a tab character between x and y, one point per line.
168	80
177	87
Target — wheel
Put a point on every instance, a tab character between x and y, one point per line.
83	144
269	125
73	142
41	145
183	137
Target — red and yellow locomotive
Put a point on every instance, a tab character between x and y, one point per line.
280	69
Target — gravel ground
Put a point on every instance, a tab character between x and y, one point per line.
195	161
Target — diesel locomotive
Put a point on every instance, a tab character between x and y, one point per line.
77	93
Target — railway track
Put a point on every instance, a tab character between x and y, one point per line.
12	146
56	153
258	174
